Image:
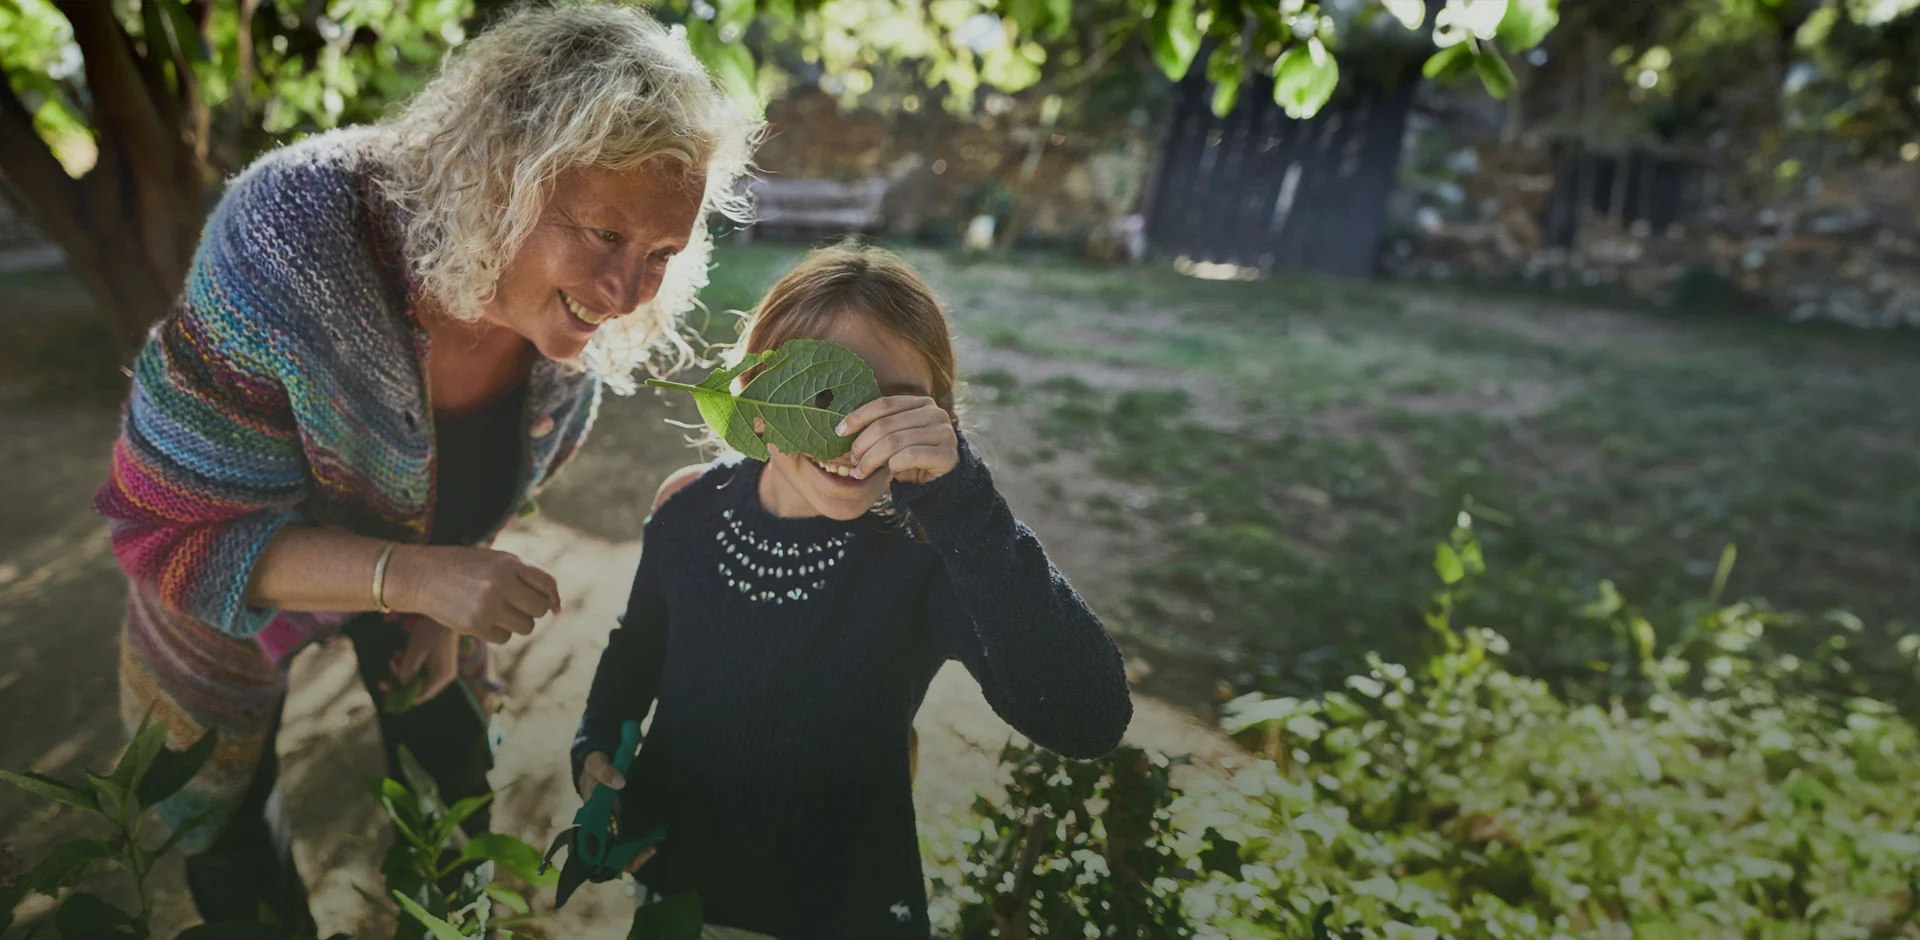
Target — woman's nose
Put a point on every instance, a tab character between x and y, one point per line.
637	286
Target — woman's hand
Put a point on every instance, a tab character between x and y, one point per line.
910	435
596	770
434	648
486	594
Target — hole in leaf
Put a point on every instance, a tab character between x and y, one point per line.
824	399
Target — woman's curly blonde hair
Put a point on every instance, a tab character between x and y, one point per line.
552	88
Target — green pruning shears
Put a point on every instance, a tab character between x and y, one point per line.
597	854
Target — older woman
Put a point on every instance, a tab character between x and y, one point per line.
390	340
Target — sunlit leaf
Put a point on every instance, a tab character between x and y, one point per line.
1494	72
802	391
1173	36
1304	79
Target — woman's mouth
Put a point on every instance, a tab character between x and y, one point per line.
583	318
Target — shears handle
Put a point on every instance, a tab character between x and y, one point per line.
595	819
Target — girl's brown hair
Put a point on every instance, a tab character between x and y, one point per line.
864	281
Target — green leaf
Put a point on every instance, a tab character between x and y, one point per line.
803	390
402	695
512	900
674	917
458	814
1526	23
90	916
1173	36
440	929
46	787
1494	72
1448	63
63	867
425	790
147	743
1446	564
511	854
1220	854
1225	69
1304	79
113	796
730	64
172	769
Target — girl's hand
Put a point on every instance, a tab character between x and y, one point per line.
910	435
596	770
432	647
477	591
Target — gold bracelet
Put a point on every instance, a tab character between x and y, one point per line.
380	578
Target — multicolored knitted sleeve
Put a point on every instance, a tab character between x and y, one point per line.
209	465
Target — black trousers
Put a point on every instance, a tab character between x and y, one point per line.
249	868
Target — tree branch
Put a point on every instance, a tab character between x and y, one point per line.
51	196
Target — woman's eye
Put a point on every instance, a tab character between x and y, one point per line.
608	235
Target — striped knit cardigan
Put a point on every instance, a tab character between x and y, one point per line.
287	387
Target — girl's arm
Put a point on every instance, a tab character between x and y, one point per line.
628	677
1041	656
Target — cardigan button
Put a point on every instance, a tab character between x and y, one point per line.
543	426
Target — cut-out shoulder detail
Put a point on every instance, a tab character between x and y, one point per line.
677	481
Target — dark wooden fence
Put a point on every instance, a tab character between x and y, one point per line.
1261	190
1626	188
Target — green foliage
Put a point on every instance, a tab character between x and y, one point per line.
794	401
1304	79
1077	849
1458	798
146	773
674	917
446	888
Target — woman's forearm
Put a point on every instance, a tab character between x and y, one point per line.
312	568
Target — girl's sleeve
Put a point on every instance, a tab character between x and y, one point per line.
209	465
628	677
1040	654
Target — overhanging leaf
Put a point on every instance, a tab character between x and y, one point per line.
1494	72
1304	78
1173	36
1224	68
1448	63
803	390
1526	23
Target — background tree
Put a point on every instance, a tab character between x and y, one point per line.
117	118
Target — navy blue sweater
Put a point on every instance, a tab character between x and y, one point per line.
784	660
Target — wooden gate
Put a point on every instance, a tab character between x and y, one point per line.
1261	190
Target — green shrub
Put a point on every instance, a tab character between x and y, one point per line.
1727	789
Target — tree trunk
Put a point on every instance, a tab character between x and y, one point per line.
129	225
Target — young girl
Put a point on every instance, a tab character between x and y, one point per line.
789	615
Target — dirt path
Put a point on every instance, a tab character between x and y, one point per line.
59	613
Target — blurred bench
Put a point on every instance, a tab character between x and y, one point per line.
816	206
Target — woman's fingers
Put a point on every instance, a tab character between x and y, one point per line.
596	770
544	583
513	621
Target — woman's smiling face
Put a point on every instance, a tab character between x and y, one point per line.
599	251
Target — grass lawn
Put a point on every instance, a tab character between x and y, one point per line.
1275	460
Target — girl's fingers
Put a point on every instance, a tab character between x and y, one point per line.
883	451
894	424
872	411
642	858
411	659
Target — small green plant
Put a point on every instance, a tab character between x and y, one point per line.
147	772
1076	849
446	888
